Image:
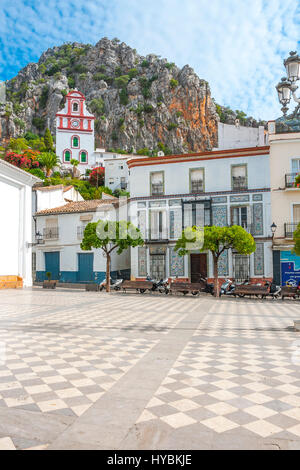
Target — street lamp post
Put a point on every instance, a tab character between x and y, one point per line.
273	229
287	86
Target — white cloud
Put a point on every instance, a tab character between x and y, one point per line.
238	46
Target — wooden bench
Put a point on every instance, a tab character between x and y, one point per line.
186	287
288	291
140	286
251	289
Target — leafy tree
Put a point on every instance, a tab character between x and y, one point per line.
296	249
48	140
97	175
216	240
48	161
110	236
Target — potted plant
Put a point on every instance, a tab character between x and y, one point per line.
49	284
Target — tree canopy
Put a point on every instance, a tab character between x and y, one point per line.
110	236
216	240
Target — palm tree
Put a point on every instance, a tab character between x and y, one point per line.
48	161
75	163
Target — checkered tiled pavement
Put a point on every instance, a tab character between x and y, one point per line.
63	372
239	372
236	384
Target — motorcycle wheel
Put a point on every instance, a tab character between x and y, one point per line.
142	291
195	293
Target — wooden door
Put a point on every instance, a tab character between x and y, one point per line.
198	266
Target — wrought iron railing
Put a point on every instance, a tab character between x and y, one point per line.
197	186
157	189
290	180
51	233
239	183
289	229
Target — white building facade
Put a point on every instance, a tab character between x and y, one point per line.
16	222
61	255
230	187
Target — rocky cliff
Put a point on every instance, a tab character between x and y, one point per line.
139	102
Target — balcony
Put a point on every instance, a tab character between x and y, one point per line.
51	233
289	229
157	189
156	236
239	183
290	181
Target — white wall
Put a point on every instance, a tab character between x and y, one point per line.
16	222
231	136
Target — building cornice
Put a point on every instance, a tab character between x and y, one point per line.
189	157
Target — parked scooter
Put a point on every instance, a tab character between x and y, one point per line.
227	288
115	284
275	291
208	286
162	285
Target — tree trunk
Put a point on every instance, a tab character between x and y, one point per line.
216	276
107	272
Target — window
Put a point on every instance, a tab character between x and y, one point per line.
158	225
296	165
197	180
67	155
158	266
239	216
123	182
296	213
157	183
75	141
111	180
241	267
196	213
75	107
239	177
83	157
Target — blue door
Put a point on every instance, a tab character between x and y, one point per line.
85	267
52	264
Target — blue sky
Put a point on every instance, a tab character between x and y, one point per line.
237	45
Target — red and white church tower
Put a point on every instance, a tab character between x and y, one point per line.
75	132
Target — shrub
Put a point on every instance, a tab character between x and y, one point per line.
44	96
124	96
82	76
169	65
38	122
133	73
79	68
97	106
37	172
18	122
172	126
145	63
122	81
173	83
71	82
